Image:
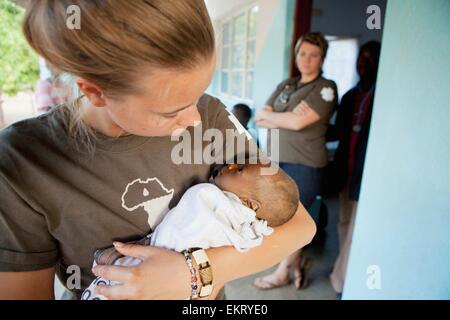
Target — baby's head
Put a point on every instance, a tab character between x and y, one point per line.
274	197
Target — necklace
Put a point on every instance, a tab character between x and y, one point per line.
357	126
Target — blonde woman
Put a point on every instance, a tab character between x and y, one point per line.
300	108
100	170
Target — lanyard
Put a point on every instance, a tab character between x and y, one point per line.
357	127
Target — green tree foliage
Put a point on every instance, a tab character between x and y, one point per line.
19	67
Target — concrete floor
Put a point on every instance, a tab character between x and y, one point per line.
319	288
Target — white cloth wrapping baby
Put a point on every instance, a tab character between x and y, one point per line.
208	217
205	217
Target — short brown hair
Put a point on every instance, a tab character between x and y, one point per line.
315	38
279	198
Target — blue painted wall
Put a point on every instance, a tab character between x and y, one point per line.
403	221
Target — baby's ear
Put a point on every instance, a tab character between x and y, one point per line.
251	203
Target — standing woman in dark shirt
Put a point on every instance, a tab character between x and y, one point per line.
300	109
352	132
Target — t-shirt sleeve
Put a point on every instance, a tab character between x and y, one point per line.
276	93
25	242
323	99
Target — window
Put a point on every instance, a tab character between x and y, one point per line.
238	54
340	66
340	63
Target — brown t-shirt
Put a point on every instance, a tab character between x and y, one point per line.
57	206
306	146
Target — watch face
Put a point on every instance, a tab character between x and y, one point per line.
206	290
206	276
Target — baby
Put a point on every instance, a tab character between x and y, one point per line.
238	207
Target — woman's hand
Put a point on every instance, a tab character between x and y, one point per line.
303	109
267	108
163	274
262	118
301	117
265	124
264	113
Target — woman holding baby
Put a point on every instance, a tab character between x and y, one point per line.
300	109
99	170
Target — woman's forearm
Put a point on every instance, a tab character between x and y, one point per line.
33	285
163	268
229	264
284	120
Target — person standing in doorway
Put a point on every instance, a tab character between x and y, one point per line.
300	108
352	131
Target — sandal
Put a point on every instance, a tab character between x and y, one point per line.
262	284
301	274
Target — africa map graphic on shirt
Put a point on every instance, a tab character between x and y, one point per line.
151	195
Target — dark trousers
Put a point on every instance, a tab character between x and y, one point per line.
308	180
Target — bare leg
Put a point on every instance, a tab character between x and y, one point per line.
280	277
346	224
345	214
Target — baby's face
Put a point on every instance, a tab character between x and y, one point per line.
237	178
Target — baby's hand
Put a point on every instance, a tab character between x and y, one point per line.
107	256
110	255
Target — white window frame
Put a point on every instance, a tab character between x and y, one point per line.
246	10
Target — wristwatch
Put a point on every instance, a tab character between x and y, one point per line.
205	271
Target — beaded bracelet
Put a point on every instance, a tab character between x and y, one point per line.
194	286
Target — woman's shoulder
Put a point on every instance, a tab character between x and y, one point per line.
289	81
208	102
29	133
211	110
324	82
19	131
